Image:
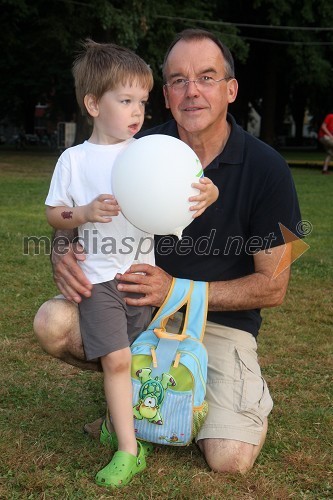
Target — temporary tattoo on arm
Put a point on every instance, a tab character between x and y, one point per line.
67	215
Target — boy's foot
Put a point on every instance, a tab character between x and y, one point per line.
121	469
108	438
325	172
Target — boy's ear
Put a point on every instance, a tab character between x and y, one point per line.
91	105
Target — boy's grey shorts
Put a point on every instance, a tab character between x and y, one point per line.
107	323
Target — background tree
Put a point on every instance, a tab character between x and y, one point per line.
280	70
288	68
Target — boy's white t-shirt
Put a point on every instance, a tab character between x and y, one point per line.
81	174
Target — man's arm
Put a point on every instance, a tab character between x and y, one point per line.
324	127
67	273
258	290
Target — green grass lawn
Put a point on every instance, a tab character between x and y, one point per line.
305	158
44	403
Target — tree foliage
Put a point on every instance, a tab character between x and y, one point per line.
280	70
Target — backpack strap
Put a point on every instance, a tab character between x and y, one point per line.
177	296
196	312
195	294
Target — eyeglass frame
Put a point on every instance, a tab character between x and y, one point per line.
186	82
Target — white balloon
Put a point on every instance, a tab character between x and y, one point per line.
151	180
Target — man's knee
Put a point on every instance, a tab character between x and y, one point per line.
52	325
228	456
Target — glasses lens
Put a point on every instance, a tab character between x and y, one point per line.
204	82
179	84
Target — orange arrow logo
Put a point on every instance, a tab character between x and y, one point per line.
298	248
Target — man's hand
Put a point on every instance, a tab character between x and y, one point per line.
67	274
154	284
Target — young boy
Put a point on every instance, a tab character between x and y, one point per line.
112	86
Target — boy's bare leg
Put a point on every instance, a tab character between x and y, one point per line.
93	429
118	388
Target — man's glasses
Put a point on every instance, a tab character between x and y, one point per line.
202	83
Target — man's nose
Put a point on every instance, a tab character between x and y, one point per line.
191	89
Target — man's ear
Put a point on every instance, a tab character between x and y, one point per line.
166	100
91	105
232	90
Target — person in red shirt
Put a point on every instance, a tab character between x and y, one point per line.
325	137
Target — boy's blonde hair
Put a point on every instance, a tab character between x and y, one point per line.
102	66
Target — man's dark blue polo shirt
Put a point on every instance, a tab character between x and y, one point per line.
257	193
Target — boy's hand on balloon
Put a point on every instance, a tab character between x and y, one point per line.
208	195
102	209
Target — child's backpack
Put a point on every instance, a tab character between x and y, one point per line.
169	370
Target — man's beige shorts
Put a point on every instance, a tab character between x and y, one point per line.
237	395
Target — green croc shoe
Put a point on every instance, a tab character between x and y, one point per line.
108	438
121	469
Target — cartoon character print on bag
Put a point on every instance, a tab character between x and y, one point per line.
151	394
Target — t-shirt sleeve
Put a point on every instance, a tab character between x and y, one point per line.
58	194
329	122
276	205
